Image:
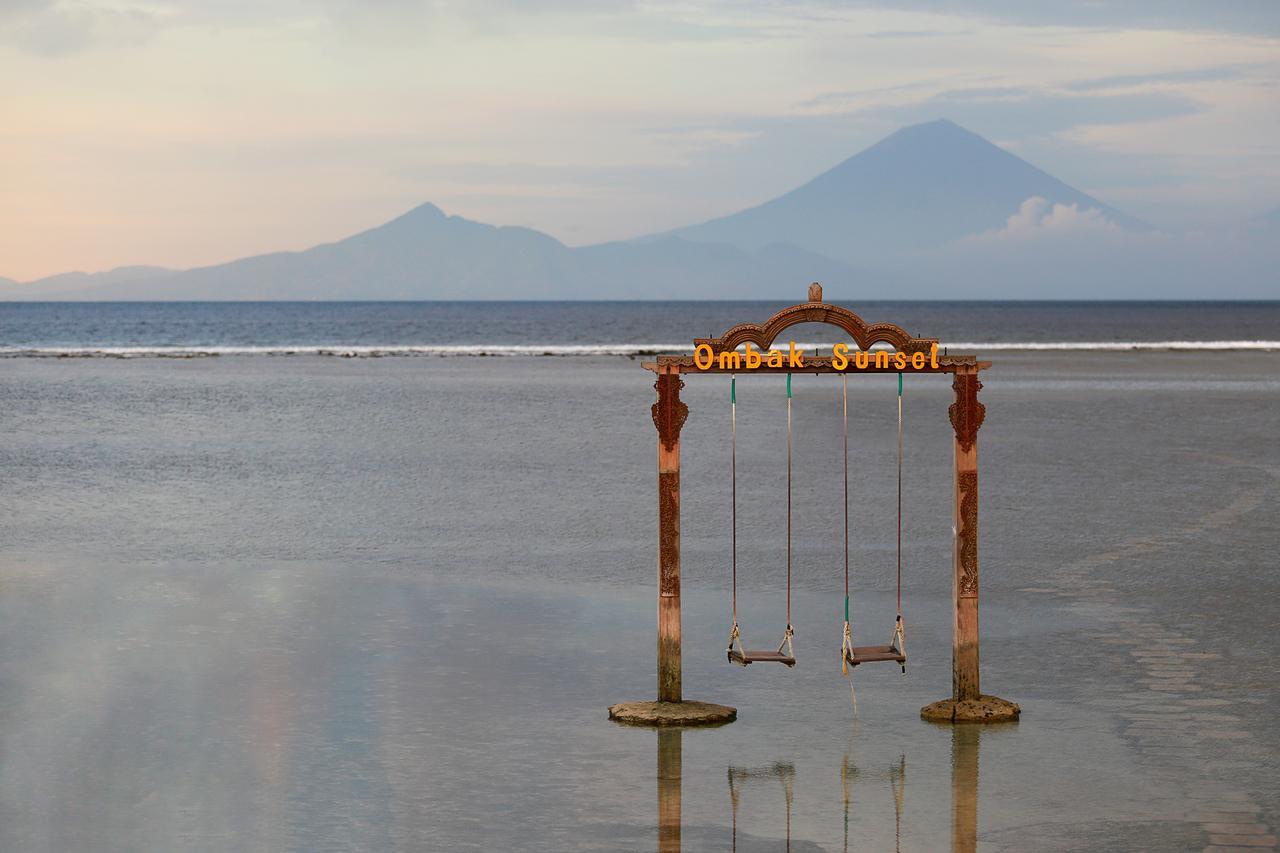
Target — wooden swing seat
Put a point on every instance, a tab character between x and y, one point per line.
760	656
874	654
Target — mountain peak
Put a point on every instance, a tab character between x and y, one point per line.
937	127
423	218
425	212
920	188
931	138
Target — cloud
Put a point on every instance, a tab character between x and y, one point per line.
1016	113
62	27
1250	17
916	34
1037	219
1063	252
49	28
1190	75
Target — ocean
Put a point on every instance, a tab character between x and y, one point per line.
254	602
124	329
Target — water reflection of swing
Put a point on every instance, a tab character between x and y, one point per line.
964	792
739	776
897	778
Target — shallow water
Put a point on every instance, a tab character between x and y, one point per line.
323	604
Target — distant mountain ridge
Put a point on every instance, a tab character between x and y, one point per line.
421	252
72	282
928	212
427	254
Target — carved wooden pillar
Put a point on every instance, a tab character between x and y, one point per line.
669	414
966	417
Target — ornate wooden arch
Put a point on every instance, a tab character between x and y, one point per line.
866	335
967	415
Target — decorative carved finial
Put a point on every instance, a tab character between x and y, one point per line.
815	292
669	412
966	412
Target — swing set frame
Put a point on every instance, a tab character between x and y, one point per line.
967	703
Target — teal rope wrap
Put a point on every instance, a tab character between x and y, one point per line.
733	390
788	386
899	384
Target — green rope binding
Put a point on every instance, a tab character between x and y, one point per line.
899	384
788	386
733	390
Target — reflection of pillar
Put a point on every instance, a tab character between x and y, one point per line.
669	750
668	416
966	416
964	788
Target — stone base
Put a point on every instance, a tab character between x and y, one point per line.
984	709
685	713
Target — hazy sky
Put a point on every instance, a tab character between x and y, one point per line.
184	133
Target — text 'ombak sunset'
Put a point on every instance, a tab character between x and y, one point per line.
706	358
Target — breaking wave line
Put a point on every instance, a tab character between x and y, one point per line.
568	350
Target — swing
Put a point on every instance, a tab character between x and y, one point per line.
736	653
895	651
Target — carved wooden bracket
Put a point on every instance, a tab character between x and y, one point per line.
966	412
967	532
669	412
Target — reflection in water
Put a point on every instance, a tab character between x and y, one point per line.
897	777
670	746
964	787
739	776
965	742
272	645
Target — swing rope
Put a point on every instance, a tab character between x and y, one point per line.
786	645
846	644
734	636
845	412
899	496
899	629
787	637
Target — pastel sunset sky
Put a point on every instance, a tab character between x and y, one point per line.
183	133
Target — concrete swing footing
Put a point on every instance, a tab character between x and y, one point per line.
686	713
984	709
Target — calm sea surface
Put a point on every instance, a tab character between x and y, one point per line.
568	328
257	603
